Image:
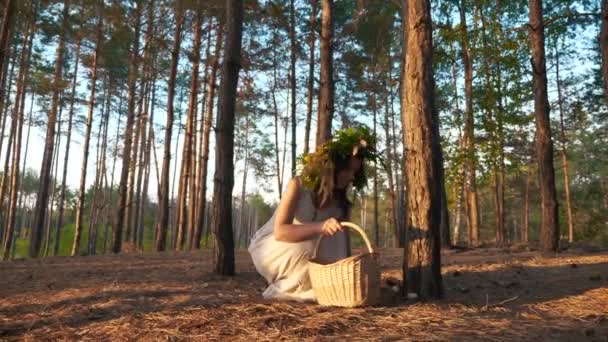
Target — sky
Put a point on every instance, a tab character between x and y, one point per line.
37	135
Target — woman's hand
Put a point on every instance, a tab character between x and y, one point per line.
330	227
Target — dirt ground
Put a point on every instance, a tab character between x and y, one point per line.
491	295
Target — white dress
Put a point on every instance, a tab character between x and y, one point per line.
285	264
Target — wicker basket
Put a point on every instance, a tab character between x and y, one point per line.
354	281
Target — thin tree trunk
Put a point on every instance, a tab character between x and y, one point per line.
94	206
130	210
146	162
392	216
12	212
276	122
192	208
424	166
292	83
5	33
48	230
45	168
221	221
471	194
604	45
24	64
174	202
205	89
564	150
526	225
549	232
202	202
326	87
20	204
111	189
18	109
67	152
376	225
311	74
119	216
87	138
163	212
7	75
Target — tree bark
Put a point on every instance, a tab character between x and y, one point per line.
326	87
24	67
45	169
60	211
5	32
163	210
423	161
292	83
87	136
276	122
549	232
604	45
224	178
311	74
526	225
564	150
471	194
192	208
202	202
119	215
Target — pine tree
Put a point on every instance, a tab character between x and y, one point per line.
221	221
423	162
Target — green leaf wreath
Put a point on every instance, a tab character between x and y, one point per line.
317	168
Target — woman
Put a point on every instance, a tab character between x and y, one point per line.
313	205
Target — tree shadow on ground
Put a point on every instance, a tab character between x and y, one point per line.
82	296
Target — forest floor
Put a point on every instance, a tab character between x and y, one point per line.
491	294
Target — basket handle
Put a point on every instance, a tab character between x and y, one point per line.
347	225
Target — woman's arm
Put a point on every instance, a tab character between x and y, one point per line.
286	231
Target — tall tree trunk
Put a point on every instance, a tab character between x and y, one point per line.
423	263
196	56
471	194
311	74
7	75
459	186
549	232
174	201
221	221
12	212
163	210
114	157
275	107
201	129
564	142
17	119
87	136
604	45
292	83
526	225
5	31
136	146
20	205
45	169
119	216
202	202
67	152
326	86
147	166
392	215
55	167
376	214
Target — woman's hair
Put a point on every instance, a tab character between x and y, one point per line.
320	169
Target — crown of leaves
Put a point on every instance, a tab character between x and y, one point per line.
352	141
